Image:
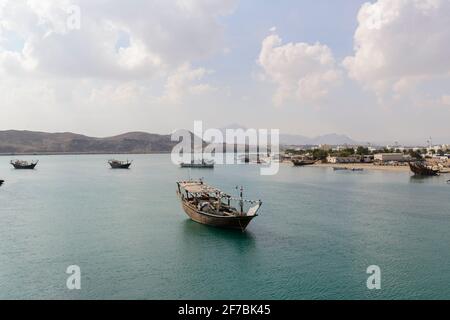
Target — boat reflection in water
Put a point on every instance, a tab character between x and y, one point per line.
210	206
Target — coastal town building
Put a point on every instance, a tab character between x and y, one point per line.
367	158
386	157
350	159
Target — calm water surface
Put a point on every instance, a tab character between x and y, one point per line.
317	233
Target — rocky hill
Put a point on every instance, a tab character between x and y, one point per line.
30	142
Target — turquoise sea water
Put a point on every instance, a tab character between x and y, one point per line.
317	233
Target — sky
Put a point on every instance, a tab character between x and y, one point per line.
376	71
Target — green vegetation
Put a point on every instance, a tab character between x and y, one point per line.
319	154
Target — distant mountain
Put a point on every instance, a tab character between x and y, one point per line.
295	139
29	142
20	142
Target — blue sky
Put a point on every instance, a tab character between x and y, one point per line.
305	67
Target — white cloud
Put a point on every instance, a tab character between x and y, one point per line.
400	44
185	81
301	71
164	36
445	100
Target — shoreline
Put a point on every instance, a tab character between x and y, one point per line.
365	166
368	166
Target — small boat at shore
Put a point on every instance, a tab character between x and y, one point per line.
198	165
419	168
348	169
19	164
302	163
340	168
116	164
210	206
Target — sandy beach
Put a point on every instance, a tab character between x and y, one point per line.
369	166
365	166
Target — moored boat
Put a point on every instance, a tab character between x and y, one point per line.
198	165
302	163
340	168
116	164
20	164
419	168
1	182
210	206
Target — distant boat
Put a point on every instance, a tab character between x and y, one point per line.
198	165
348	169
1	182
302	163
419	168
210	206
116	164
19	164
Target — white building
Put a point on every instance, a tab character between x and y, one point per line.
351	159
386	157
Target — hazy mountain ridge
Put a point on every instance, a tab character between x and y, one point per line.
296	139
20	142
331	139
30	142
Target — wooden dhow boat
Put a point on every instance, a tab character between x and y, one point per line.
116	164
19	164
302	162
340	168
210	206
419	168
198	165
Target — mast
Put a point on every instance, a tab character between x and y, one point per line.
241	201
247	152
192	148
219	201
257	153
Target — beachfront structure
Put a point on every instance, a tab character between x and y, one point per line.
367	158
386	157
350	159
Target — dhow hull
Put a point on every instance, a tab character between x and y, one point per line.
29	167
232	222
